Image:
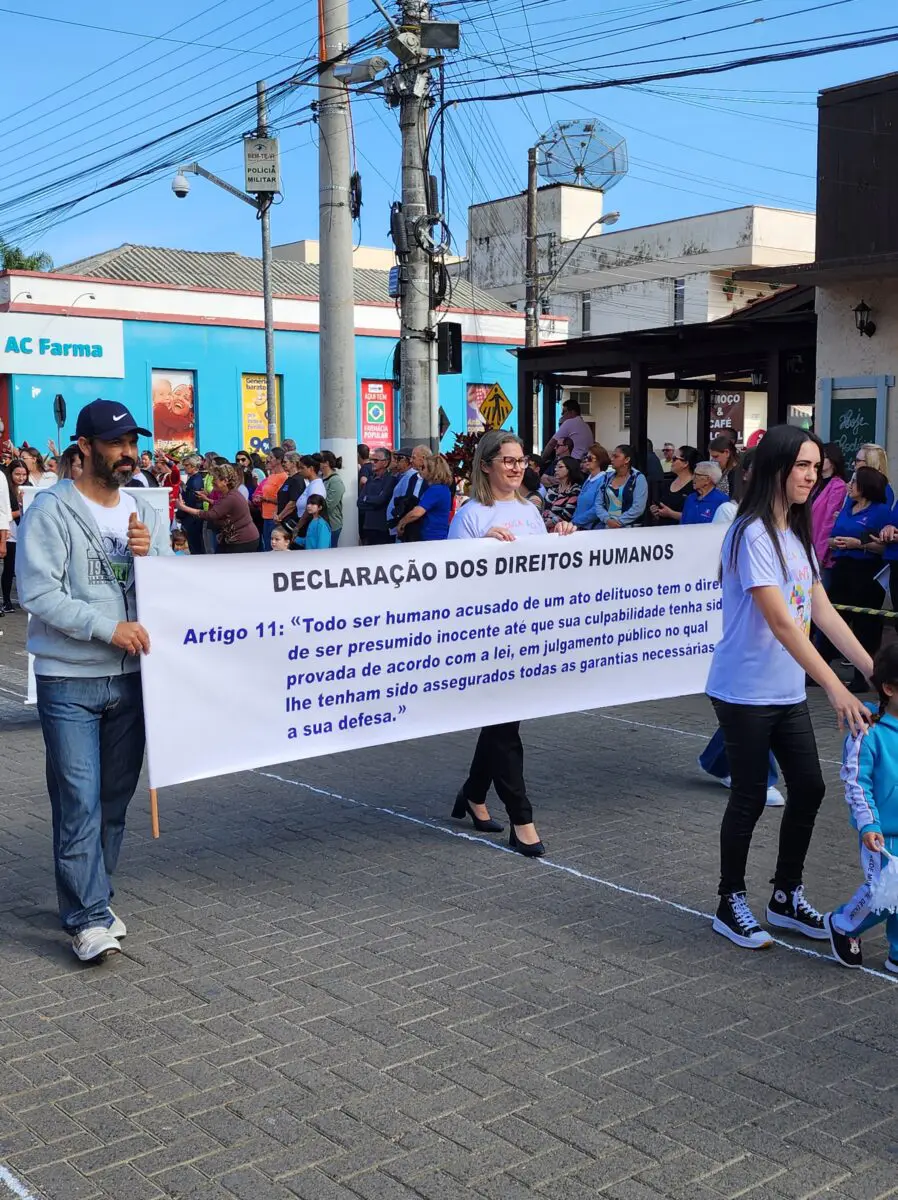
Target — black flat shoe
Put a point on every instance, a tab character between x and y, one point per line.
463	809
528	849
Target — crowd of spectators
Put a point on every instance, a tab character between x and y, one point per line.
286	501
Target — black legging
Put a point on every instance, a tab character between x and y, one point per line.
499	760
238	547
854	582
9	571
750	732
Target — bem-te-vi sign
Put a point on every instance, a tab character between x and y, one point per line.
35	344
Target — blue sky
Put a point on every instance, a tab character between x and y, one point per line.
76	98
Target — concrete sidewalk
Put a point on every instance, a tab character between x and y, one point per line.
331	991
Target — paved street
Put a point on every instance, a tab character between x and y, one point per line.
329	991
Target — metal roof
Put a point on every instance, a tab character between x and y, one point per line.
225	270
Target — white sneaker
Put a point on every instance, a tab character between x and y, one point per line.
774	798
94	944
118	928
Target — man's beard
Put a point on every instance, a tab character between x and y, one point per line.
114	475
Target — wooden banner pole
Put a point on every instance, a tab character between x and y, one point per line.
154	812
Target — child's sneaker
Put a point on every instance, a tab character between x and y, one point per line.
793	912
846	948
891	965
736	921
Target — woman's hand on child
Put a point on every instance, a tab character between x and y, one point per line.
873	841
849	709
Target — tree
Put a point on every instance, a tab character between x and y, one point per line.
13	258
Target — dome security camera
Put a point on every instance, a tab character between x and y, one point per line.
180	186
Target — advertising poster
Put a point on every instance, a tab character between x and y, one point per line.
728	412
174	413
254	402
377	412
476	393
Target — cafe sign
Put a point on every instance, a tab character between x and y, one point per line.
40	344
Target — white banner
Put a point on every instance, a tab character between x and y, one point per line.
313	652
43	344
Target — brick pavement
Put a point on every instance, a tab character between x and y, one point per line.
326	1001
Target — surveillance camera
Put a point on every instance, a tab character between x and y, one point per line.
365	71
180	186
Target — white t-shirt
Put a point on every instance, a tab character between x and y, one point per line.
113	526
750	666
475	520
315	488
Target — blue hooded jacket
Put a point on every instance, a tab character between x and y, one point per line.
870	774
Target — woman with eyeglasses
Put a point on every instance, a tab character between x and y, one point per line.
676	488
561	499
495	510
595	463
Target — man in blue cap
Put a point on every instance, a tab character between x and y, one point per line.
75	572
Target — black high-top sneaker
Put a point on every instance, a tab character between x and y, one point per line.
792	911
736	921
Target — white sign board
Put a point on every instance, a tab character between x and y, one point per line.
348	648
158	497
40	344
262	164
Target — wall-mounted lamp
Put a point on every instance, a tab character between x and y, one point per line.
83	296
27	296
862	319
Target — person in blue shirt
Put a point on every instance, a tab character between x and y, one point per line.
434	504
870	774
596	462
317	534
857	560
704	500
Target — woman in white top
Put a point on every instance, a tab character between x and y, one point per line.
770	582
495	510
38	475
309	469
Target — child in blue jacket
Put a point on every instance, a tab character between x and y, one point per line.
317	534
870	774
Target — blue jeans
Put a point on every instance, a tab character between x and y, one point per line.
335	537
713	759
267	529
94	738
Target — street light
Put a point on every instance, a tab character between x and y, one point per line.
261	202
610	218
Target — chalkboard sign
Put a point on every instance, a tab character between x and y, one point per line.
852	424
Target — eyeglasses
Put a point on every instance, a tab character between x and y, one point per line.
589	458
678	458
513	464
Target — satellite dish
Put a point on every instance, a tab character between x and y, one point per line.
587	153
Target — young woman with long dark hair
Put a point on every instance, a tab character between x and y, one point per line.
770	584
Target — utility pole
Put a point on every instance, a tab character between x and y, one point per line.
267	299
531	303
417	405
336	284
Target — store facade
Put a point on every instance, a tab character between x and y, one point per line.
190	362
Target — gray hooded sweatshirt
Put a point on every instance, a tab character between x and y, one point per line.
66	583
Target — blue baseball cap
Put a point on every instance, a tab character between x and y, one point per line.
106	420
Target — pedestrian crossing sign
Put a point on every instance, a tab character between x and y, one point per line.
495	408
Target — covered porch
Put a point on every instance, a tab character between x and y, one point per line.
769	346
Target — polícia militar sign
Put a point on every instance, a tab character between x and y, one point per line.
38	344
